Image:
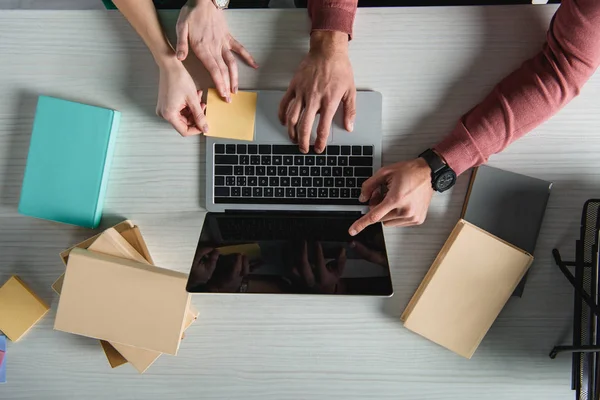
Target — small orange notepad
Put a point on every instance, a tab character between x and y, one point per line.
233	120
20	308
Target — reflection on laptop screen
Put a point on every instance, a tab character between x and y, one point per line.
304	253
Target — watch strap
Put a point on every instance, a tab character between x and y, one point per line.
434	161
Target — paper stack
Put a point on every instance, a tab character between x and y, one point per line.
112	291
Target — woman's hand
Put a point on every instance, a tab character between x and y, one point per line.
179	102
203	27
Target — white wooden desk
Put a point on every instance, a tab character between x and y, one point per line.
431	64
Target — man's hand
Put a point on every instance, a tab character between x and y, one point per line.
179	101
405	199
203	27
322	81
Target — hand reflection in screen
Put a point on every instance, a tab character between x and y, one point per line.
317	275
369	254
227	278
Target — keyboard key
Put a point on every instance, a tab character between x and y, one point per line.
263	181
264	149
333	150
252	181
306	182
356	150
268	192
245	159
257	192
230	148
360	161
363	171
323	192
339	182
286	149
321	160
282	171
271	171
284	181
219	181
328	182
279	192
219	149
293	171
242	149
304	171
367	150
226	159
298	160
265	160
309	160
326	171
241	181
342	161
315	171
221	191
345	193
334	192
290	192
288	160
312	192
249	170
350	182
252	149
238	170
223	170
348	171
317	182
277	160
274	181
261	170
337	171
296	181
254	160
230	181
246	192
236	192
331	161
345	150
355	193
360	181
301	192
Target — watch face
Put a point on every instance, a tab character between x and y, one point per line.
222	3
445	181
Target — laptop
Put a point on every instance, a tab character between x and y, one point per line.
278	219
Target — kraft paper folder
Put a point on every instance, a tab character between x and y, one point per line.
68	163
20	308
125	241
123	301
465	289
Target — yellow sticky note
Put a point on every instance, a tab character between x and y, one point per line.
233	120
250	250
20	308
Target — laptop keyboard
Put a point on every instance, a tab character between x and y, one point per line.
280	174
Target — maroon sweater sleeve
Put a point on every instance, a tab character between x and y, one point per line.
532	93
332	15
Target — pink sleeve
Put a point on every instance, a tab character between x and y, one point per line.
534	92
332	15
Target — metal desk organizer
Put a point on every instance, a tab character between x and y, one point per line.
586	329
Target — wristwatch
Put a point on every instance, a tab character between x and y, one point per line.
221	4
442	176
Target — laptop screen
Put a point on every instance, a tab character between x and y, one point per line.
297	253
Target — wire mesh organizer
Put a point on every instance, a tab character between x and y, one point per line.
586	330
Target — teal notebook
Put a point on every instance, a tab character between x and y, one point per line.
69	159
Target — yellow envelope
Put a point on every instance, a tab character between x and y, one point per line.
233	120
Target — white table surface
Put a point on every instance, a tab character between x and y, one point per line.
432	65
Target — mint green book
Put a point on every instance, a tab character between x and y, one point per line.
68	163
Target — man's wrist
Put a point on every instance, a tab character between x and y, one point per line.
328	42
